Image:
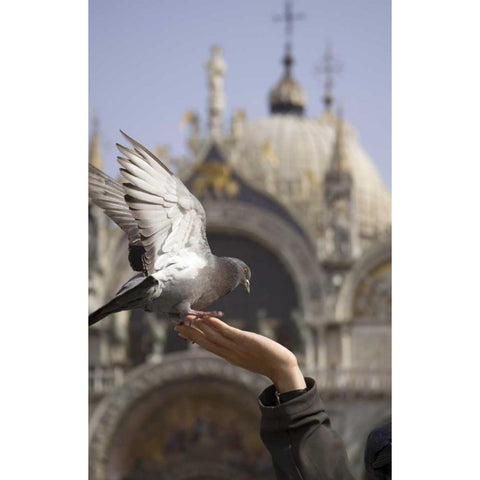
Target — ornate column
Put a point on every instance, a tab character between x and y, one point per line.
216	68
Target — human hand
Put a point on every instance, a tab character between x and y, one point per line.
248	350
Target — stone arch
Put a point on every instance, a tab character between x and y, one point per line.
375	256
365	340
109	417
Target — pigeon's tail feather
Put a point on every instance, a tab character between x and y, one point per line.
125	300
102	312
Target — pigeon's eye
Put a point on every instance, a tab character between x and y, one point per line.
245	270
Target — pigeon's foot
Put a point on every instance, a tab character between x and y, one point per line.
200	314
188	321
194	315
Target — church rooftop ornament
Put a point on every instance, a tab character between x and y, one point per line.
339	157
287	96
216	68
328	67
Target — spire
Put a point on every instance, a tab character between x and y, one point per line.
216	67
339	157
340	239
287	97
94	152
328	67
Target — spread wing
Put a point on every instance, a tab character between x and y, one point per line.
109	195
169	217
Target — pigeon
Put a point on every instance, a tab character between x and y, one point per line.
166	229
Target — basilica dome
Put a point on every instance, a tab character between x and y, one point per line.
290	155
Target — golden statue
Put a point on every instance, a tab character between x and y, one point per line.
215	176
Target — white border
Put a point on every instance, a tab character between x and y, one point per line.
435	239
44	239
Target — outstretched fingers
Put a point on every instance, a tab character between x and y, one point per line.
197	335
221	328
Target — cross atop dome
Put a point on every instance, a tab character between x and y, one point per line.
289	17
328	66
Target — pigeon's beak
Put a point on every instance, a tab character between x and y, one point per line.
246	284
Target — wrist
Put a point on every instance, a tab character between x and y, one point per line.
288	379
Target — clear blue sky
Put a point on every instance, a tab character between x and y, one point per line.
147	62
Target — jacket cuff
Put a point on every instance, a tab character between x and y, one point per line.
280	416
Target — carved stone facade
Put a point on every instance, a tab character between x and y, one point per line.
321	285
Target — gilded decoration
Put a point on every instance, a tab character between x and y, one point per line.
216	178
268	154
373	297
191	119
312	180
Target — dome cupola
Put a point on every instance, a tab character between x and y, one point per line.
287	96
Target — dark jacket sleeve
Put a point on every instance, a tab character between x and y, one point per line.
300	439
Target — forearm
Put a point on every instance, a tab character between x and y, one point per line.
288	379
300	439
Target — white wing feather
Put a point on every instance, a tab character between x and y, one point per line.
169	218
109	195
